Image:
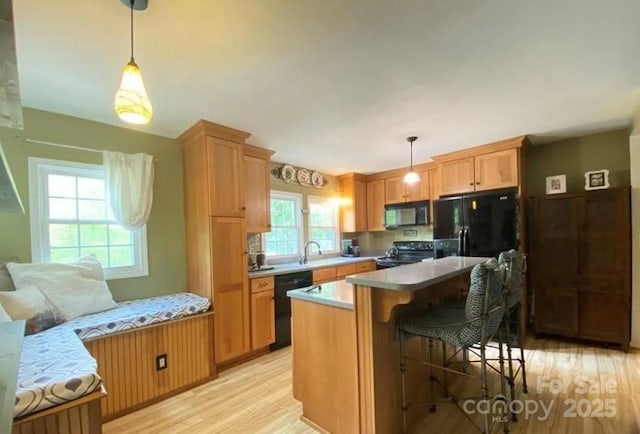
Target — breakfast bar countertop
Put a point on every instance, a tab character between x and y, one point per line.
416	276
336	294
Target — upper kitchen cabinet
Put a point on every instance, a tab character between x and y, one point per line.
257	189
457	176
214	167
487	167
397	191
226	180
375	205
353	211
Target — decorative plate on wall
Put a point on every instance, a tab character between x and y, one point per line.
317	180
304	177
288	173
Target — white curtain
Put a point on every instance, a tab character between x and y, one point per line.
129	179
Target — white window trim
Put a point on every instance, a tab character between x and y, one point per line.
38	206
323	199
298	198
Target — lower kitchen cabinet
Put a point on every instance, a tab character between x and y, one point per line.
263	329
230	288
580	265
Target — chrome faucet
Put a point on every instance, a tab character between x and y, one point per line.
303	260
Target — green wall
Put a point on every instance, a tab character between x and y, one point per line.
574	157
165	230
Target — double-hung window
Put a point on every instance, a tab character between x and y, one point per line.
285	237
70	218
323	223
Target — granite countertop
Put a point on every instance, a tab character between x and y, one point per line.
416	276
294	267
337	294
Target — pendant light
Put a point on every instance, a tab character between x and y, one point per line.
411	177
131	102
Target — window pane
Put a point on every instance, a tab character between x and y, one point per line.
91	210
284	212
119	235
63	235
121	256
90	188
102	253
61	185
64	255
62	209
93	235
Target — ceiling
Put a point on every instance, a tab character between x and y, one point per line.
338	85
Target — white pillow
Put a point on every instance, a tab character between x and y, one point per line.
73	289
29	304
4	316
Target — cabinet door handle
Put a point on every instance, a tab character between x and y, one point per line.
477	182
471	183
243	208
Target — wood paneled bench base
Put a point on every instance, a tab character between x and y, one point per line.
80	416
127	362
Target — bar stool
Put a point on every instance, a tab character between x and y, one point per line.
516	270
470	328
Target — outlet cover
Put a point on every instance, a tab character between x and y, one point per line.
161	362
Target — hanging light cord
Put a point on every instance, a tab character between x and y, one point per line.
412	155
131	27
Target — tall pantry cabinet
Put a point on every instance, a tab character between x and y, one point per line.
216	229
581	264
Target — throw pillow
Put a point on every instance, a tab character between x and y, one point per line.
73	289
4	316
30	305
6	284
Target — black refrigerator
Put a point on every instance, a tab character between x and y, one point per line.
479	224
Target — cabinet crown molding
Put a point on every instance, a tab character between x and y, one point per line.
500	145
206	128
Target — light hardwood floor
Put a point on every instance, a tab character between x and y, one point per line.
256	398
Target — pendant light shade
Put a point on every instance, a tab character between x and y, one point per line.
411	177
131	102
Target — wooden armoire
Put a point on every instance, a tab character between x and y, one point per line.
580	264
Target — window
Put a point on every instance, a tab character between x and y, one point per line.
285	236
70	218
323	223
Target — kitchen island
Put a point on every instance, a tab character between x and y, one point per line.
345	357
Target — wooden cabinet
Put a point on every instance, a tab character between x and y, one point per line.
397	191
226	177
457	176
345	270
322	275
257	189
580	264
486	167
263	329
220	172
375	205
496	170
394	190
363	267
231	298
353	211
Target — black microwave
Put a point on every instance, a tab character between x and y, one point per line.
406	214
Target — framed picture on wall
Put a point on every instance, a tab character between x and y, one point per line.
556	184
596	179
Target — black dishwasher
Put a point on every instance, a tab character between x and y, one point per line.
284	283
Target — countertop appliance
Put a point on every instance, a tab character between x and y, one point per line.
405	252
481	224
282	304
406	214
350	248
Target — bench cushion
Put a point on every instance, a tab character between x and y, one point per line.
55	368
138	313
